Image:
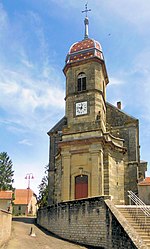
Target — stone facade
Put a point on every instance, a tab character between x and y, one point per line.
94	149
104	146
94	158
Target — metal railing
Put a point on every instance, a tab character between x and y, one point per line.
139	205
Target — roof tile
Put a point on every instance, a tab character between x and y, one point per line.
23	196
146	182
6	194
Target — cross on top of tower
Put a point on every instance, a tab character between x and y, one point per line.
86	9
86	21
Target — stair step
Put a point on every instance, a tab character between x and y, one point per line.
136	219
145	238
138	222
140	231
130	213
134	213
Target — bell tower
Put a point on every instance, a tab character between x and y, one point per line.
83	135
86	160
86	80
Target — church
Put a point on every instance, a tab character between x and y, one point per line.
94	148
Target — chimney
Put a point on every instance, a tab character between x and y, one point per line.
119	105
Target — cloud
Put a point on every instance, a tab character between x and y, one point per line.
141	61
141	74
28	91
125	11
67	4
31	88
132	87
3	18
133	12
115	81
25	60
25	142
26	99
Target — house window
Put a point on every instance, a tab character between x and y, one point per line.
81	82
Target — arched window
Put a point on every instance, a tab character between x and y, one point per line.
81	82
81	186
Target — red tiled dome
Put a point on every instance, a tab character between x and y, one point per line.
85	49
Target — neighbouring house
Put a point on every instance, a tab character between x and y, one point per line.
25	202
144	190
6	200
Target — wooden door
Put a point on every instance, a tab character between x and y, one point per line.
81	187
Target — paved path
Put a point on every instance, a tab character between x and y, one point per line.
20	238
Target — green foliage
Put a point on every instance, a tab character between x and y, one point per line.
43	190
6	172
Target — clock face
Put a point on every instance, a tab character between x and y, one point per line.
81	108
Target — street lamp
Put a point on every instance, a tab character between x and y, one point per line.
28	177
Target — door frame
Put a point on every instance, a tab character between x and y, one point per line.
83	186
73	183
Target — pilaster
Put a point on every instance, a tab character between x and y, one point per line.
97	184
66	178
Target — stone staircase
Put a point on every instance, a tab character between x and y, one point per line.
138	221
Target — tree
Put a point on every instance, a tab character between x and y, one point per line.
43	190
6	172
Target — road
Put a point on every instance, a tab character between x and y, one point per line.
20	238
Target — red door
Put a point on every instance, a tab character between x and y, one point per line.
81	187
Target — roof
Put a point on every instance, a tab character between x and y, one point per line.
84	49
7	195
85	44
146	182
23	196
58	126
121	111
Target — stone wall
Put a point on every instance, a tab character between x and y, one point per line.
126	127
55	136
5	226
86	221
144	193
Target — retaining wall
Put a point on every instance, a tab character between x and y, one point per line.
87	221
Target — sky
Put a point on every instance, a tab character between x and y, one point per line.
35	37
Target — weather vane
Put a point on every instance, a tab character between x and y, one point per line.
86	9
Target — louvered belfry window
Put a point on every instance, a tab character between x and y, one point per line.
81	82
